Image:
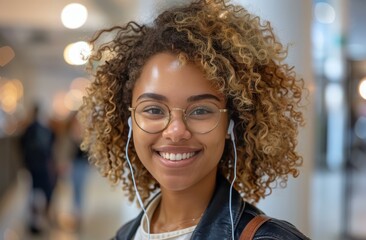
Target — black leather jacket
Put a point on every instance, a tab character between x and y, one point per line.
215	223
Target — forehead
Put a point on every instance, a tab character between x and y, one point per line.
167	75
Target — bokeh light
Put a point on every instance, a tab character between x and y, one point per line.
11	92
60	111
362	88
324	13
73	99
65	102
80	84
77	53
74	15
6	55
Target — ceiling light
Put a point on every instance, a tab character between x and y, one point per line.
74	15
362	88
77	53
324	13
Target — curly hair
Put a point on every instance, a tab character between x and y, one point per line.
242	58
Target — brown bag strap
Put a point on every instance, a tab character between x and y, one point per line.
252	227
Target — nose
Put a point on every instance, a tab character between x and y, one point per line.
177	130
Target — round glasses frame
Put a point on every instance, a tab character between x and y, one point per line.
133	109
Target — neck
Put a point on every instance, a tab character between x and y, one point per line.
182	209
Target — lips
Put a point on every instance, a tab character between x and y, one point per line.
176	156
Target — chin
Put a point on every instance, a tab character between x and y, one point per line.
175	183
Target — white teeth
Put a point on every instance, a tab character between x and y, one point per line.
176	157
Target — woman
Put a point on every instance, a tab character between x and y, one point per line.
212	115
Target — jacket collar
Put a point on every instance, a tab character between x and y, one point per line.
215	222
217	214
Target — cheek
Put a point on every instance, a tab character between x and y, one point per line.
215	146
220	146
140	143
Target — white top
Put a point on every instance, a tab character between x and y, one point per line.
142	234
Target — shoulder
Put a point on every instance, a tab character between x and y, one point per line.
279	230
274	228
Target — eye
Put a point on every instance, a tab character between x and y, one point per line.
153	110
200	112
154	113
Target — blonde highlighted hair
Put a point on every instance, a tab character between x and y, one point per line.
242	58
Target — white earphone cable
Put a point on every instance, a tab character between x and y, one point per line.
134	183
142	205
232	185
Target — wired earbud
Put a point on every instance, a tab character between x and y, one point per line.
230	131
129	122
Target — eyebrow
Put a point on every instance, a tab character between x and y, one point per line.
152	96
194	98
202	97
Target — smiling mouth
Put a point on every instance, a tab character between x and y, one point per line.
176	156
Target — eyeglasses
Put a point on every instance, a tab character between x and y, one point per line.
154	117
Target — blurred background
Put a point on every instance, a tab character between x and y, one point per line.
42	76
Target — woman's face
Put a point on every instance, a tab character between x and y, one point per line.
164	80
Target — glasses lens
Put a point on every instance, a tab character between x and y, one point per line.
202	117
151	116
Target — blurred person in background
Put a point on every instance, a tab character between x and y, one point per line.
37	142
79	168
73	168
